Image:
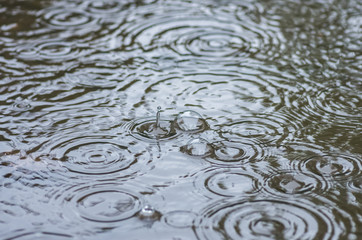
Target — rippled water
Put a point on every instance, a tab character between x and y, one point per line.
180	119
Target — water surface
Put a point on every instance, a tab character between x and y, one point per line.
175	119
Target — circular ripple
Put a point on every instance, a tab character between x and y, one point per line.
66	18
102	73
201	37
226	182
340	102
338	167
110	7
356	185
234	153
19	105
50	50
337	103
103	7
102	203
180	219
265	128
96	155
265	219
214	40
107	205
295	183
40	235
231	152
188	29
145	129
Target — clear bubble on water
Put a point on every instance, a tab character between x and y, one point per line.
149	212
198	147
190	121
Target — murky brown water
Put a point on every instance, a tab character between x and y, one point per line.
258	135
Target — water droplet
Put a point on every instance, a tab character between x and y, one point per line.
158	116
198	147
190	121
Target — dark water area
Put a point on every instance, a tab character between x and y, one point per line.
172	119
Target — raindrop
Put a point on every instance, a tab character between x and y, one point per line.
190	121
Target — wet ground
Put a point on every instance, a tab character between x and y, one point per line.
177	119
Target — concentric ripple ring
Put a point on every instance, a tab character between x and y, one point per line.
265	219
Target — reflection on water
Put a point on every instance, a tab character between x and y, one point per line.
149	119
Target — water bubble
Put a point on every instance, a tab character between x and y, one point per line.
198	147
190	121
149	212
